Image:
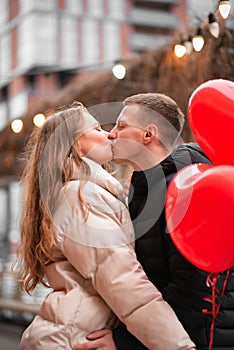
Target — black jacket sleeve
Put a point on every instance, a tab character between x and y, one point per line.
124	340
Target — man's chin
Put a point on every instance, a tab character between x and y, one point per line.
120	161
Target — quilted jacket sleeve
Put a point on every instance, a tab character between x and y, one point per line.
118	277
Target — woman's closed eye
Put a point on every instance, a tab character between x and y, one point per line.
98	127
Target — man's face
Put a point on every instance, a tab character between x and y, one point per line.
128	137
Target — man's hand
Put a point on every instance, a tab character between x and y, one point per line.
99	340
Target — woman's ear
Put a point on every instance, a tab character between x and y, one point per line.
150	134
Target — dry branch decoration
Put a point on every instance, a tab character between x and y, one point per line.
158	70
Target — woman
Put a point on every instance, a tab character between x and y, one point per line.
76	238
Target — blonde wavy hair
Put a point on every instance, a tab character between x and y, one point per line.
48	169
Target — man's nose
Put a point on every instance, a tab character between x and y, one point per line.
112	134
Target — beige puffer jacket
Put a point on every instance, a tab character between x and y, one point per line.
97	271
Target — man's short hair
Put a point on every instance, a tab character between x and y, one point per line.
162	111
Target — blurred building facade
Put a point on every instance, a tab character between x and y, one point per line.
43	45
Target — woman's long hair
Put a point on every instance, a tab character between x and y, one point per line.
49	167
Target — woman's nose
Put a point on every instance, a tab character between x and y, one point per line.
106	133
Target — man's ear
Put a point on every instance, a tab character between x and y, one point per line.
150	134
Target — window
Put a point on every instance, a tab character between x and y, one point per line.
28	5
74	6
69	42
111	41
5	58
96	8
3	119
90	41
15	201
116	8
3	213
3	13
37	40
18	105
4	219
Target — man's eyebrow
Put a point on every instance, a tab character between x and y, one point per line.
121	120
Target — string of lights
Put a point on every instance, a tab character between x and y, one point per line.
17	124
196	41
181	48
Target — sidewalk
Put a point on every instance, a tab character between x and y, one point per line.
12	324
10	335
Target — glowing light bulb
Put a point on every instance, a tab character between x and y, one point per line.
214	29
17	126
179	50
189	46
224	8
213	26
38	120
198	41
119	71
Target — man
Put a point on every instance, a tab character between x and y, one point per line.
144	137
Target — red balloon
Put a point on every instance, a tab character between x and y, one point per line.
211	118
200	215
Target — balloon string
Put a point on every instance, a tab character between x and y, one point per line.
211	281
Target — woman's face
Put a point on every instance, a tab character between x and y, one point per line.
94	142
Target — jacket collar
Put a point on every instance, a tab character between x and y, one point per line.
101	177
183	155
